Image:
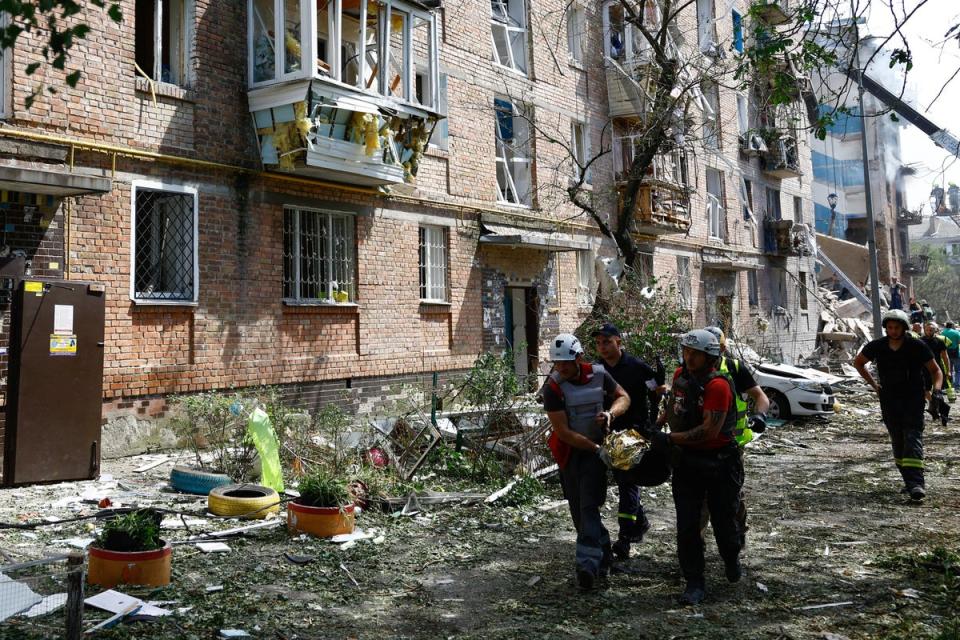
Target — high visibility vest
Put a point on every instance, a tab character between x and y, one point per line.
741	432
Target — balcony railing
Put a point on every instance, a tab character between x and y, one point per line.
661	209
773	12
905	216
782	159
786	238
916	265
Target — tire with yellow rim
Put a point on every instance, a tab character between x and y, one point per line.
251	501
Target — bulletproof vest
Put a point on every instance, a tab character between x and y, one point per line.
685	407
583	401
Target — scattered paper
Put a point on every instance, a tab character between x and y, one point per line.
213	547
532	581
234	633
213	588
762	587
116	602
78	543
358	534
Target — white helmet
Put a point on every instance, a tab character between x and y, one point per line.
701	340
565	346
896	314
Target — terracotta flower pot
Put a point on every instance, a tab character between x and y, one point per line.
110	568
322	522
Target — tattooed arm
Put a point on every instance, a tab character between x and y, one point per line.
710	429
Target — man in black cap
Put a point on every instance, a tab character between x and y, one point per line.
638	380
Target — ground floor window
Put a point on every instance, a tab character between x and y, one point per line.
164	244
318	256
433	264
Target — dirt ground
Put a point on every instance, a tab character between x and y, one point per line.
834	551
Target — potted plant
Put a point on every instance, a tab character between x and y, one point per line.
325	507
129	550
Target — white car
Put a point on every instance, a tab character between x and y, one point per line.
794	391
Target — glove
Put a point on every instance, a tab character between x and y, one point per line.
605	456
758	423
938	395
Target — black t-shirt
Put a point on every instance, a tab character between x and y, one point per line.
901	370
937	347
552	401
637	379
740	373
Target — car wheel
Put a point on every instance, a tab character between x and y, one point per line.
779	405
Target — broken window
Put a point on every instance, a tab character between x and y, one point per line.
397	61
798	209
508	20
318	256
513	154
753	293
576	31
737	31
711	115
162	39
623	41
586	277
580	148
706	27
802	289
438	138
433	264
747	199
165	244
773	204
715	211
684	282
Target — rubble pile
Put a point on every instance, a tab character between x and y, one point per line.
845	326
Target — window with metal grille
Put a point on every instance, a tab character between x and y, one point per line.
684	284
433	264
165	243
318	256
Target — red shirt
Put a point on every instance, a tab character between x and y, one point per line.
716	397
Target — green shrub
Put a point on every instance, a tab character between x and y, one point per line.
322	489
134	531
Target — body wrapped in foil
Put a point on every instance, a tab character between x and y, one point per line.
624	449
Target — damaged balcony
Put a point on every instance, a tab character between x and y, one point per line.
349	93
772	12
915	265
907	217
663	199
786	238
629	57
781	159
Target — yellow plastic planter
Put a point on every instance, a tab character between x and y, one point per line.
110	568
323	522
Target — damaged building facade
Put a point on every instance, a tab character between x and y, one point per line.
339	196
727	216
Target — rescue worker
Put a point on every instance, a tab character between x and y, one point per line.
901	361
573	398
638	380
953	351
938	345
701	414
744	386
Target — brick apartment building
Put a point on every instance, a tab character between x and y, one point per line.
290	211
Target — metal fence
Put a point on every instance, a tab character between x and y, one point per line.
42	598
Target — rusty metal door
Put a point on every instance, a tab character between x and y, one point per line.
55	382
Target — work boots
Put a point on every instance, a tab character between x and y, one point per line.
693	594
733	569
917	493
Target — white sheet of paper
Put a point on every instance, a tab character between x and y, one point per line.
63	318
213	547
115	602
47	605
15	597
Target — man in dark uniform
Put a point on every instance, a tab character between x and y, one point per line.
573	398
638	380
938	346
702	415
901	360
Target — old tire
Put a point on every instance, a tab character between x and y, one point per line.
190	480
243	501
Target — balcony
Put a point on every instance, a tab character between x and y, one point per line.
915	265
625	77
339	95
663	199
907	217
773	12
785	238
781	159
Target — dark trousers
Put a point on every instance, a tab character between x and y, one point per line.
718	478
630	515
904	422
585	488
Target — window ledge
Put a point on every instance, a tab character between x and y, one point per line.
164	89
435	305
576	64
436	152
164	304
297	306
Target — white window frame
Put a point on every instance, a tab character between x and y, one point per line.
711	116
576	32
706	26
352	262
434	263
580	148
441	131
6	68
309	68
715	212
184	44
586	277
145	185
514	155
743	113
517	11
684	282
